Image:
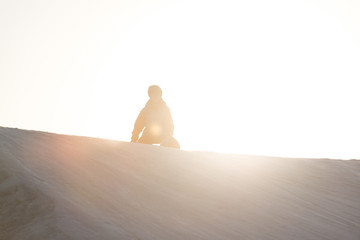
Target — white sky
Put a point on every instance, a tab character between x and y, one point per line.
256	77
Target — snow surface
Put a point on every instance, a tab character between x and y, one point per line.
68	187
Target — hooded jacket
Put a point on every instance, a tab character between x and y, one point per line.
156	118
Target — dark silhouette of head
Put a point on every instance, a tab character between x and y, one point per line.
155	92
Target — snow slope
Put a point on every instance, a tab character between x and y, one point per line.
67	187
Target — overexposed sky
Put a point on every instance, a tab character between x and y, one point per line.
255	77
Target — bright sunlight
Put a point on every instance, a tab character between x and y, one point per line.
255	77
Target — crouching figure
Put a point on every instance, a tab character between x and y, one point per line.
155	122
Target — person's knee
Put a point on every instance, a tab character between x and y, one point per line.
145	140
150	139
142	140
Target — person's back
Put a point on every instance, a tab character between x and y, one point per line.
155	119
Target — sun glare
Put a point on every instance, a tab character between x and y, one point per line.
238	77
255	77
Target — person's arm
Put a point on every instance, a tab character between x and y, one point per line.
138	126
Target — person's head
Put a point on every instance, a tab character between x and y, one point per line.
154	92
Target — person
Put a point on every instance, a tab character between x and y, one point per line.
154	121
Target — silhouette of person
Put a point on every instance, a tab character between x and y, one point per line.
155	119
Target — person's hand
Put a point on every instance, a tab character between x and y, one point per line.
134	139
